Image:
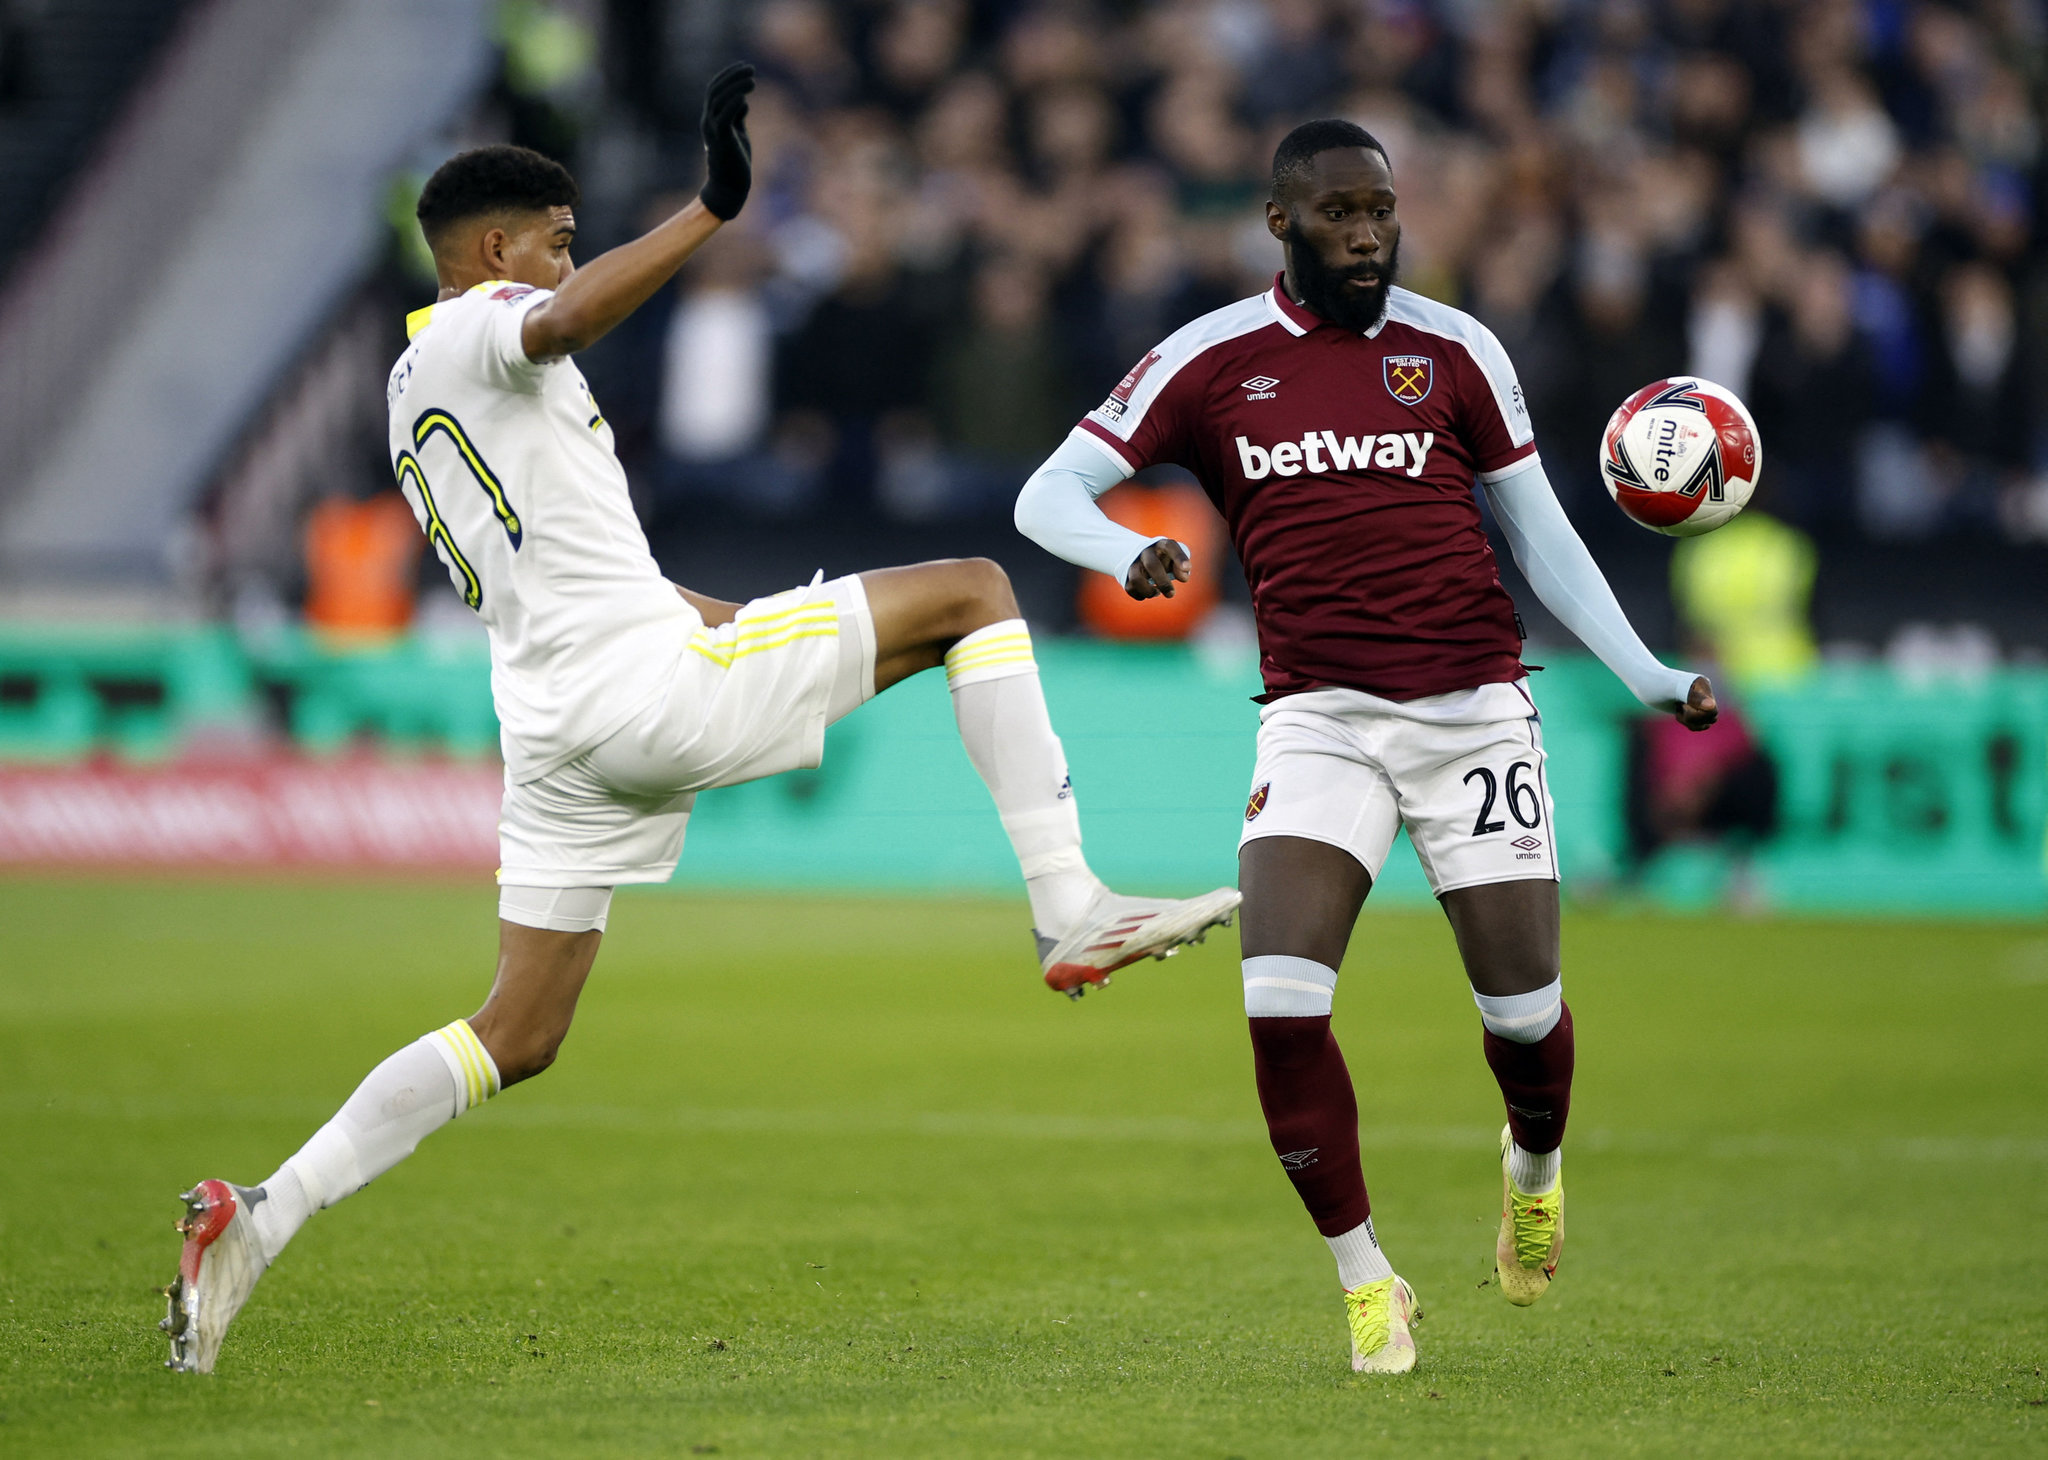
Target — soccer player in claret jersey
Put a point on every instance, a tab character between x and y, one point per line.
621	695
1339	424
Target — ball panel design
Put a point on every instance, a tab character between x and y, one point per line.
1680	456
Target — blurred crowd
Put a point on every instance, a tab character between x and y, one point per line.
971	217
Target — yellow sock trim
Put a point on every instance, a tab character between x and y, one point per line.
479	1072
984	649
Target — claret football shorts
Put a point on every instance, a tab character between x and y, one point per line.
746	700
1463	772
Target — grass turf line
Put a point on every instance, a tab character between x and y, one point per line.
829	1176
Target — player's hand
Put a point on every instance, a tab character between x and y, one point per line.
728	155
1699	710
1157	569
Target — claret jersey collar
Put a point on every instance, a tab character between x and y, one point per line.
1299	321
419	319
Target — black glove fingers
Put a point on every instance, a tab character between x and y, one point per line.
728	156
728	129
722	118
728	85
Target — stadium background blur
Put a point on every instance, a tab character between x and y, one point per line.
222	643
825	1171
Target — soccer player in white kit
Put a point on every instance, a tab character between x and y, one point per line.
620	695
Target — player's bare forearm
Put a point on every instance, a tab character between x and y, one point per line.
599	296
603	292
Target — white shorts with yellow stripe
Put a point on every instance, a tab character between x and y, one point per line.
749	699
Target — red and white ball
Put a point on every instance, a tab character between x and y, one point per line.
1681	456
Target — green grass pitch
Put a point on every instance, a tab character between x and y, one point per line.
824	1176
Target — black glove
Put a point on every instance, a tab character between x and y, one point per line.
728	156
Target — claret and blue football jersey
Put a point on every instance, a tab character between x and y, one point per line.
1344	464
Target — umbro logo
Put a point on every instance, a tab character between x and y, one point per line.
1300	1160
1261	387
1525	843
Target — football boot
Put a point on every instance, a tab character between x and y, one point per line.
217	1271
1381	1315
1116	931
1531	1236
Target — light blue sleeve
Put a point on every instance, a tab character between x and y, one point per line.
1552	557
1056	509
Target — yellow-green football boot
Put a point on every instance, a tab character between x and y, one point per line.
1531	1236
1381	1314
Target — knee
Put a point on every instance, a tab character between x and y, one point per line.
985	589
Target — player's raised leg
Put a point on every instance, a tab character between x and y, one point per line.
962	614
1301	898
1508	936
233	1233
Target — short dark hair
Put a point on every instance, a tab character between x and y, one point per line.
497	179
1299	147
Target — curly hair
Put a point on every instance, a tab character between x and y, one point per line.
498	179
1299	147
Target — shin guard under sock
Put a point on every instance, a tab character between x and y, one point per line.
1000	709
1312	1117
1536	1083
399	1104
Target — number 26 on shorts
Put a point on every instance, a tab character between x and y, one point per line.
1524	803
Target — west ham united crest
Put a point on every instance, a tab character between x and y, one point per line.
1409	377
1253	807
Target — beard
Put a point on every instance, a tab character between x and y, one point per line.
1324	289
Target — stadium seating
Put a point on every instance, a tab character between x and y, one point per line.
64	71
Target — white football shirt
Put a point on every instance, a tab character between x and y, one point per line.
509	468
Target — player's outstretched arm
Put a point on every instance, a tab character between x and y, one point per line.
594	299
1056	509
1554	559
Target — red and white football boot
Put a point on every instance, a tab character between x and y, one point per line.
217	1271
1117	931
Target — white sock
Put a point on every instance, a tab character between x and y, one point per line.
1000	709
1533	1174
1359	1259
399	1104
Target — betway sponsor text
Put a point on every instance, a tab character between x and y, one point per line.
1318	452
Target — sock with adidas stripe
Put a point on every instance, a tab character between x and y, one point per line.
399	1104
1000	708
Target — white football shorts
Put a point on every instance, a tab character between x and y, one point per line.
1464	772
746	700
